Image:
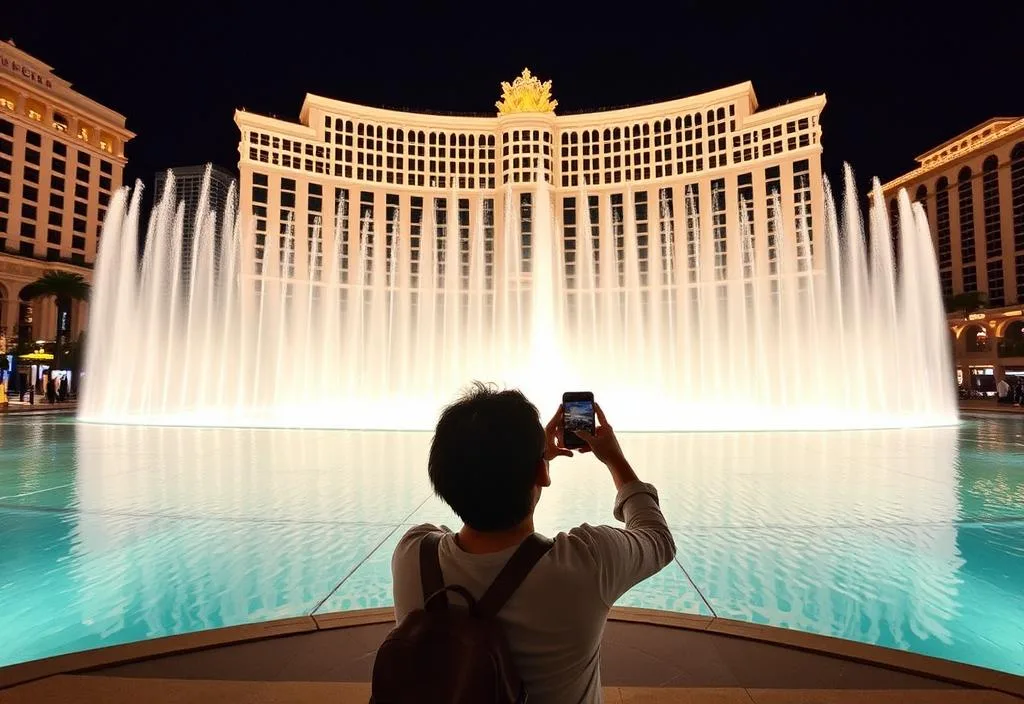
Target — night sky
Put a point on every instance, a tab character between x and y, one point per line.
900	77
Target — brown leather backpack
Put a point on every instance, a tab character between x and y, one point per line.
442	655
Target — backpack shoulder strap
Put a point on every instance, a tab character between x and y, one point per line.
430	571
512	574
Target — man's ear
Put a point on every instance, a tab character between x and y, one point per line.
543	474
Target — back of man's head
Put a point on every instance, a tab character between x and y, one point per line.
484	457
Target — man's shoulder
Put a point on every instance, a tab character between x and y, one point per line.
410	541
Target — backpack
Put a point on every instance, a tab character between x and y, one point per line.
442	655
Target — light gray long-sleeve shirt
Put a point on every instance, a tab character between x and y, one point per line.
555	620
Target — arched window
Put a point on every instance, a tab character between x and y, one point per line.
921	196
894	231
943	235
3	310
993	233
1017	195
975	338
25	317
965	208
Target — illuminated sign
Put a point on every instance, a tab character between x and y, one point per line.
25	71
976	316
1013	312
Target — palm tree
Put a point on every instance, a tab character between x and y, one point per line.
968	302
65	288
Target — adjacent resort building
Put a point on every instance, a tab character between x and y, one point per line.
61	160
714	157
972	188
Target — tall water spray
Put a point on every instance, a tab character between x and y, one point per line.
682	339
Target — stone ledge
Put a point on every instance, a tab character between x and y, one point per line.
144	649
934	668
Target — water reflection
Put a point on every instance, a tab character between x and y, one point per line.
900	538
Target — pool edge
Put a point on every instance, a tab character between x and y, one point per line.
913	663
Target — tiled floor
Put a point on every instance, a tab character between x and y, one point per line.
634	655
641	664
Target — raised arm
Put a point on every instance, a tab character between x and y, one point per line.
625	556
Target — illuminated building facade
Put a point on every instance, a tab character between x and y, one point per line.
61	160
715	151
972	188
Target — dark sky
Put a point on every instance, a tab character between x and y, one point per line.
900	77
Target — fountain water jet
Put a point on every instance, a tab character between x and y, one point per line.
683	339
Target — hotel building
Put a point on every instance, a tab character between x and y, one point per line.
61	159
972	188
702	155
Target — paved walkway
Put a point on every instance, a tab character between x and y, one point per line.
989	406
641	664
15	406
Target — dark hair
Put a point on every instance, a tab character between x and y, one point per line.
484	456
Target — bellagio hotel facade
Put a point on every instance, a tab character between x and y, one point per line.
715	150
61	160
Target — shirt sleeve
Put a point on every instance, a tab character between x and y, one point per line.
624	557
405	570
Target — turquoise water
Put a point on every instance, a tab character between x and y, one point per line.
909	539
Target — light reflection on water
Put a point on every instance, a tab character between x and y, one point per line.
905	538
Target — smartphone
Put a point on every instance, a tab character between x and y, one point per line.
577	414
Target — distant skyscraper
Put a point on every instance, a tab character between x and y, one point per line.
188	188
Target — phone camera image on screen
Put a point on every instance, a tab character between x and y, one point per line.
577	414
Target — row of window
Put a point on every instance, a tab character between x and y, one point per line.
661	148
640	255
44	208
991	229
28	249
59	122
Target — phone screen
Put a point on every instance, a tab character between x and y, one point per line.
578	415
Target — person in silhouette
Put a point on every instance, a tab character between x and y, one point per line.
489	461
51	390
62	392
1003	391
